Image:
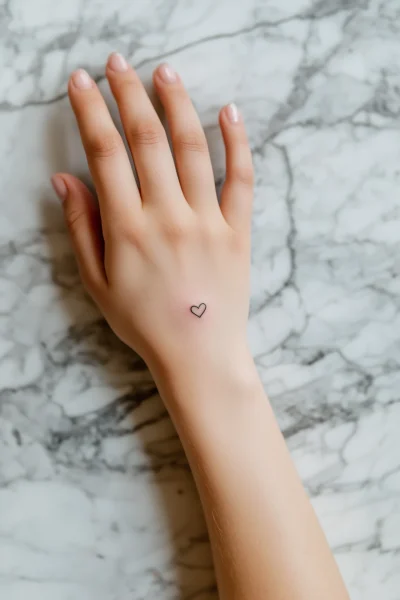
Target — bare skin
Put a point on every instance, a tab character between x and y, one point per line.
149	258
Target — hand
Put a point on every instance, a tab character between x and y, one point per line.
148	255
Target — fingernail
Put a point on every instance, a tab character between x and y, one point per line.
82	79
167	73
117	62
59	186
232	112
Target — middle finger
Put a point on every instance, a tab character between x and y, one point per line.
145	134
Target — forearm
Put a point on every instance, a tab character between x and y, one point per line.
266	540
151	258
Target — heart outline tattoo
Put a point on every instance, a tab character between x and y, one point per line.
198	311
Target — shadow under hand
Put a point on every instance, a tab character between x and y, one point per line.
129	408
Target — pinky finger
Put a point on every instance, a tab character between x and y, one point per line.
237	192
83	220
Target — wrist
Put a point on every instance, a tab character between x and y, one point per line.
221	413
204	383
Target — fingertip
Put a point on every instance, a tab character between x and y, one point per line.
68	186
237	192
81	80
165	73
83	220
117	63
232	124
60	187
231	114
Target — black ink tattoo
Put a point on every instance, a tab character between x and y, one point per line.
198	310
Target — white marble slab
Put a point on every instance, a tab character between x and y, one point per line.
96	500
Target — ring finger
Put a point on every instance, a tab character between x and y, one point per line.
188	140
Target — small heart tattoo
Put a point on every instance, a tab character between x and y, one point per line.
198	310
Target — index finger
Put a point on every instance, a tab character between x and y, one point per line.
105	151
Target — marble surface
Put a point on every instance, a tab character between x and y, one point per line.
96	499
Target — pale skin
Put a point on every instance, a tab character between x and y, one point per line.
146	256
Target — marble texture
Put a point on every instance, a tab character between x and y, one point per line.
96	499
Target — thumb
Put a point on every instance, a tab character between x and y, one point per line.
84	225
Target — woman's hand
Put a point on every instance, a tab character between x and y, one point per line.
147	255
169	268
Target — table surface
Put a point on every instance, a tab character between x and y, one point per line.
96	499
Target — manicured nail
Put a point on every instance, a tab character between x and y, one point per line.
82	79
59	186
117	62
167	73
232	112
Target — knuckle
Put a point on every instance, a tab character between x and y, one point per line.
213	226
177	231
127	231
74	218
214	236
104	145
239	244
93	284
192	141
146	133
131	235
127	86
244	174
